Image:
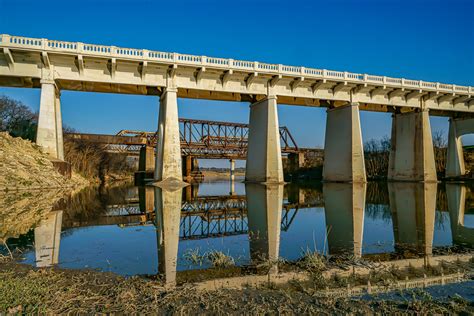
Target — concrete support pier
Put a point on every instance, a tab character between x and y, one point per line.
413	208
344	211
147	159
264	205
168	216
455	166
50	129
264	162
47	239
296	161
411	153
168	156
461	234
343	149
232	177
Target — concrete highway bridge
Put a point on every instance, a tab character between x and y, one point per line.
54	65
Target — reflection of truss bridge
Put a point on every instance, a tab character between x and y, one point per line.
216	217
205	217
199	138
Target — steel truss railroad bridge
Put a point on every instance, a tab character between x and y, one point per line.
199	139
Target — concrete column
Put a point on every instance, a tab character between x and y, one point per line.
413	214
50	134
191	191
343	149
264	162
456	195
296	161
147	159
168	157
59	127
188	160
146	199
411	154
232	177
344	211
47	239
455	160
264	207
168	216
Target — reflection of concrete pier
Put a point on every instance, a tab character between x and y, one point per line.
168	215
344	210
457	206
264	203
47	239
413	213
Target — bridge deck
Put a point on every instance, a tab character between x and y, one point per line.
26	62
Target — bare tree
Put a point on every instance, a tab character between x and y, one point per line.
440	144
376	154
17	119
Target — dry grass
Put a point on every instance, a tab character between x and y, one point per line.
52	291
219	259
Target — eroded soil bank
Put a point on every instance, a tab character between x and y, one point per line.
24	166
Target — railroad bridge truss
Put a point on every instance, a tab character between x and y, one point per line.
199	139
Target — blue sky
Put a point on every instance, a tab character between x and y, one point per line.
425	40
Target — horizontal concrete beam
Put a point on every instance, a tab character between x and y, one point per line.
98	68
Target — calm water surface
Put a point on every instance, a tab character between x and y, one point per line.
146	230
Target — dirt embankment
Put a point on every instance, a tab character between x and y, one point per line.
23	210
24	166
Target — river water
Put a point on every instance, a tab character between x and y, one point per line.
133	230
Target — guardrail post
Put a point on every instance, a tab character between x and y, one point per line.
203	60
44	43
5	38
231	63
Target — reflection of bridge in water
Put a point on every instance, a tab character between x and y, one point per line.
201	217
262	213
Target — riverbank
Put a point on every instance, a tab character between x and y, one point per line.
222	174
28	290
25	167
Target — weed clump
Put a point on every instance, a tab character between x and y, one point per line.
312	262
215	258
218	259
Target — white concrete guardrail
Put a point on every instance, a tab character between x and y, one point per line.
224	63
